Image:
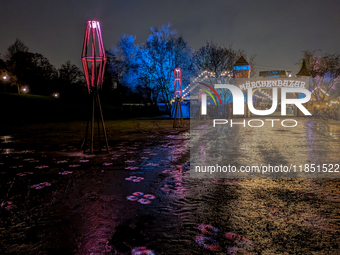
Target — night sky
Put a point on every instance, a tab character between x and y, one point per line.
276	31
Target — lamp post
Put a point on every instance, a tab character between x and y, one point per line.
178	98
94	60
5	78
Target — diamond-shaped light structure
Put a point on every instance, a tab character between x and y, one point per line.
178	98
178	81
94	60
93	56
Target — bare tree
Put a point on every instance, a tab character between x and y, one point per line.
33	69
216	59
324	71
70	73
252	66
219	61
17	46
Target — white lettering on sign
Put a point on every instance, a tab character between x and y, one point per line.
273	83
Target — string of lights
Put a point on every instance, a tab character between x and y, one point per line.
204	75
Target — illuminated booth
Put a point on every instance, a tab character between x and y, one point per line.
94	60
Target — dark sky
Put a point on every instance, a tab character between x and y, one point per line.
276	31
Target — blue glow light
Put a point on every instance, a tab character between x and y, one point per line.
239	68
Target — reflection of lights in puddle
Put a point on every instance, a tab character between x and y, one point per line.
152	164
41	185
41	167
142	251
62	161
24	173
12	151
65	172
7	151
74	166
31	160
77	154
131	167
28	159
333	136
174	183
6	138
8	205
134	179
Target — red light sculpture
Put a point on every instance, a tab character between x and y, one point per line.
178	81
178	98
94	60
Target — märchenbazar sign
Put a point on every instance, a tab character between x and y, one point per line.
244	84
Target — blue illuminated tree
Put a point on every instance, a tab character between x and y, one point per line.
148	68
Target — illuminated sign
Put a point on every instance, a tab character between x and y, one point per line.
240	68
266	83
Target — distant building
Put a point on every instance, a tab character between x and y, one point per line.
275	74
241	68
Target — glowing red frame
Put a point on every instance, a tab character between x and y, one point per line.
178	81
178	98
93	56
